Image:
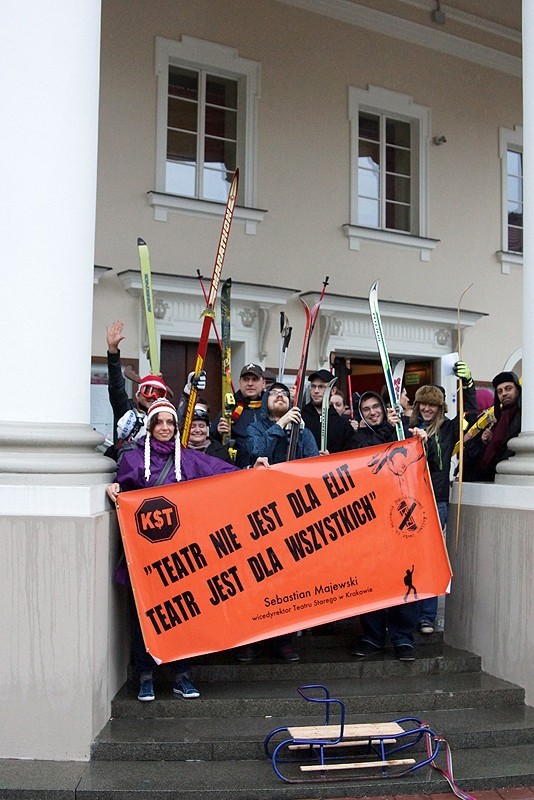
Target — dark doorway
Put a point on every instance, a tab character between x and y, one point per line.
367	375
178	360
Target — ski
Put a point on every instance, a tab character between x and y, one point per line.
384	356
146	279
209	311
285	337
398	375
324	413
311	317
228	399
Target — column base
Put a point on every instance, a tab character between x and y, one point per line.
519	470
52	453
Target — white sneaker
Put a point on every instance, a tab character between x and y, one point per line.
426	627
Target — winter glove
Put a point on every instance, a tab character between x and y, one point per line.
129	425
461	370
199	383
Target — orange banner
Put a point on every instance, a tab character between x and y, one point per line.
225	561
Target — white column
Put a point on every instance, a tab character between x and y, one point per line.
520	468
60	657
49	84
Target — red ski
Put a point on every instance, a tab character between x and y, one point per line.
209	311
311	318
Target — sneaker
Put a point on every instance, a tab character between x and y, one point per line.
288	653
426	627
405	652
185	687
146	690
248	653
364	649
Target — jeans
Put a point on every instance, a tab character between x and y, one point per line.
429	608
399	621
143	661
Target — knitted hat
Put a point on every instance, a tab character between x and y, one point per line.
157	407
432	395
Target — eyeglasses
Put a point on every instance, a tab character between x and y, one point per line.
278	393
152	392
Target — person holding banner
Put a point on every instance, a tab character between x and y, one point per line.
156	460
268	435
400	621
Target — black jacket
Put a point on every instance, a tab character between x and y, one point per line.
441	444
340	435
371	435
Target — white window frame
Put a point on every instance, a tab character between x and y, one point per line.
508	140
378	100
199	54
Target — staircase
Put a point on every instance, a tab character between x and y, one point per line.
212	747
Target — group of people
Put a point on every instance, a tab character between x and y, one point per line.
148	453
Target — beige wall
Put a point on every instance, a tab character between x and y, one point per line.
308	62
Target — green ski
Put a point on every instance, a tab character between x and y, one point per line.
153	352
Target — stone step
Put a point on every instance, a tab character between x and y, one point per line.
384	696
331	661
245	780
241	739
256	780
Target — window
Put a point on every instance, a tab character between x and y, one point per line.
511	155
389	136
514	200
384	172
206	126
201	133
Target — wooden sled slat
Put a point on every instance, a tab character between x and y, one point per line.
357	765
343	743
364	731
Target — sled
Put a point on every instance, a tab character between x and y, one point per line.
337	751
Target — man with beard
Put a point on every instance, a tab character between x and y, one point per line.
340	435
269	435
484	452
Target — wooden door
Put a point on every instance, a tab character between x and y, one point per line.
178	360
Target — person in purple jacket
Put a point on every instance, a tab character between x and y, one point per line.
155	460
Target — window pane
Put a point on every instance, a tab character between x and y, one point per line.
221	123
181	146
369	155
180	178
181	114
397	217
398	132
398	160
221	92
216	185
515	189
369	127
398	188
514	162
368	183
183	83
515	240
220	152
368	212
